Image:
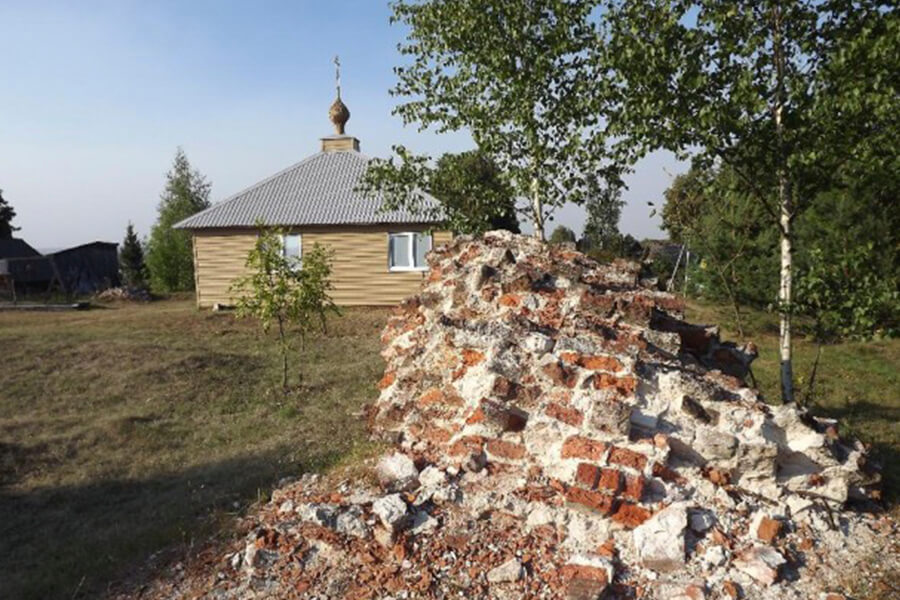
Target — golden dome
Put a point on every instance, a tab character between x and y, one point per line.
339	115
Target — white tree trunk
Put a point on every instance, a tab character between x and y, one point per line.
537	209
784	292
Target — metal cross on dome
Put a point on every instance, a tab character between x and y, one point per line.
337	74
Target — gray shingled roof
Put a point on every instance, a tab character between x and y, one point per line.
319	190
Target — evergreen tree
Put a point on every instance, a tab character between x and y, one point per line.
7	214
562	235
604	209
131	261
169	256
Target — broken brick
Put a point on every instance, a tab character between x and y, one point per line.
582	447
627	458
566	414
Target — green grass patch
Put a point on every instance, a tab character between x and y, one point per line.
136	428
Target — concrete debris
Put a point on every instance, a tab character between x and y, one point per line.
761	563
660	540
397	472
559	431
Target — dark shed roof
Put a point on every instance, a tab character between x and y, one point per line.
16	248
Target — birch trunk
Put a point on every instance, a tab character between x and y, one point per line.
537	208
784	293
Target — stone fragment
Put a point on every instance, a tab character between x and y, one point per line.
321	514
431	476
761	563
660	540
509	571
350	522
397	472
702	520
391	511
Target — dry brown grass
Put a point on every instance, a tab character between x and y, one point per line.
136	428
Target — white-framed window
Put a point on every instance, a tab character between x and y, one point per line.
406	251
292	248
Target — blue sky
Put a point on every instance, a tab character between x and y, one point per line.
97	96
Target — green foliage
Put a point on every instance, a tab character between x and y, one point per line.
729	233
283	292
474	195
769	89
562	235
131	261
169	255
604	209
849	296
7	214
519	78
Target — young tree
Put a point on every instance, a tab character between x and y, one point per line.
474	195
281	291
518	78
562	235
751	85
7	214
131	261
604	209
169	256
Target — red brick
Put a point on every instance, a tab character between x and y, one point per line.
471	358
624	385
769	529
387	380
467	445
718	476
505	449
431	396
586	475
477	416
566	414
627	458
732	589
631	515
634	487
595	501
582	447
572	571
600	363
610	480
667	474
511	300
560	375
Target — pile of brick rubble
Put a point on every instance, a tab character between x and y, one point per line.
558	431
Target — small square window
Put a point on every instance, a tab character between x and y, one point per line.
406	251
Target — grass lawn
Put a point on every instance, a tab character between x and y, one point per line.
135	428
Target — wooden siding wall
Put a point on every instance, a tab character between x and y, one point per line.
360	269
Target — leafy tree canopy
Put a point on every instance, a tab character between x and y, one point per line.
278	291
474	195
519	78
562	235
169	255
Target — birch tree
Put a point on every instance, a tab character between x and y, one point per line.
751	85
518	77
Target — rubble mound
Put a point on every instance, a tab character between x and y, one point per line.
123	294
559	431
